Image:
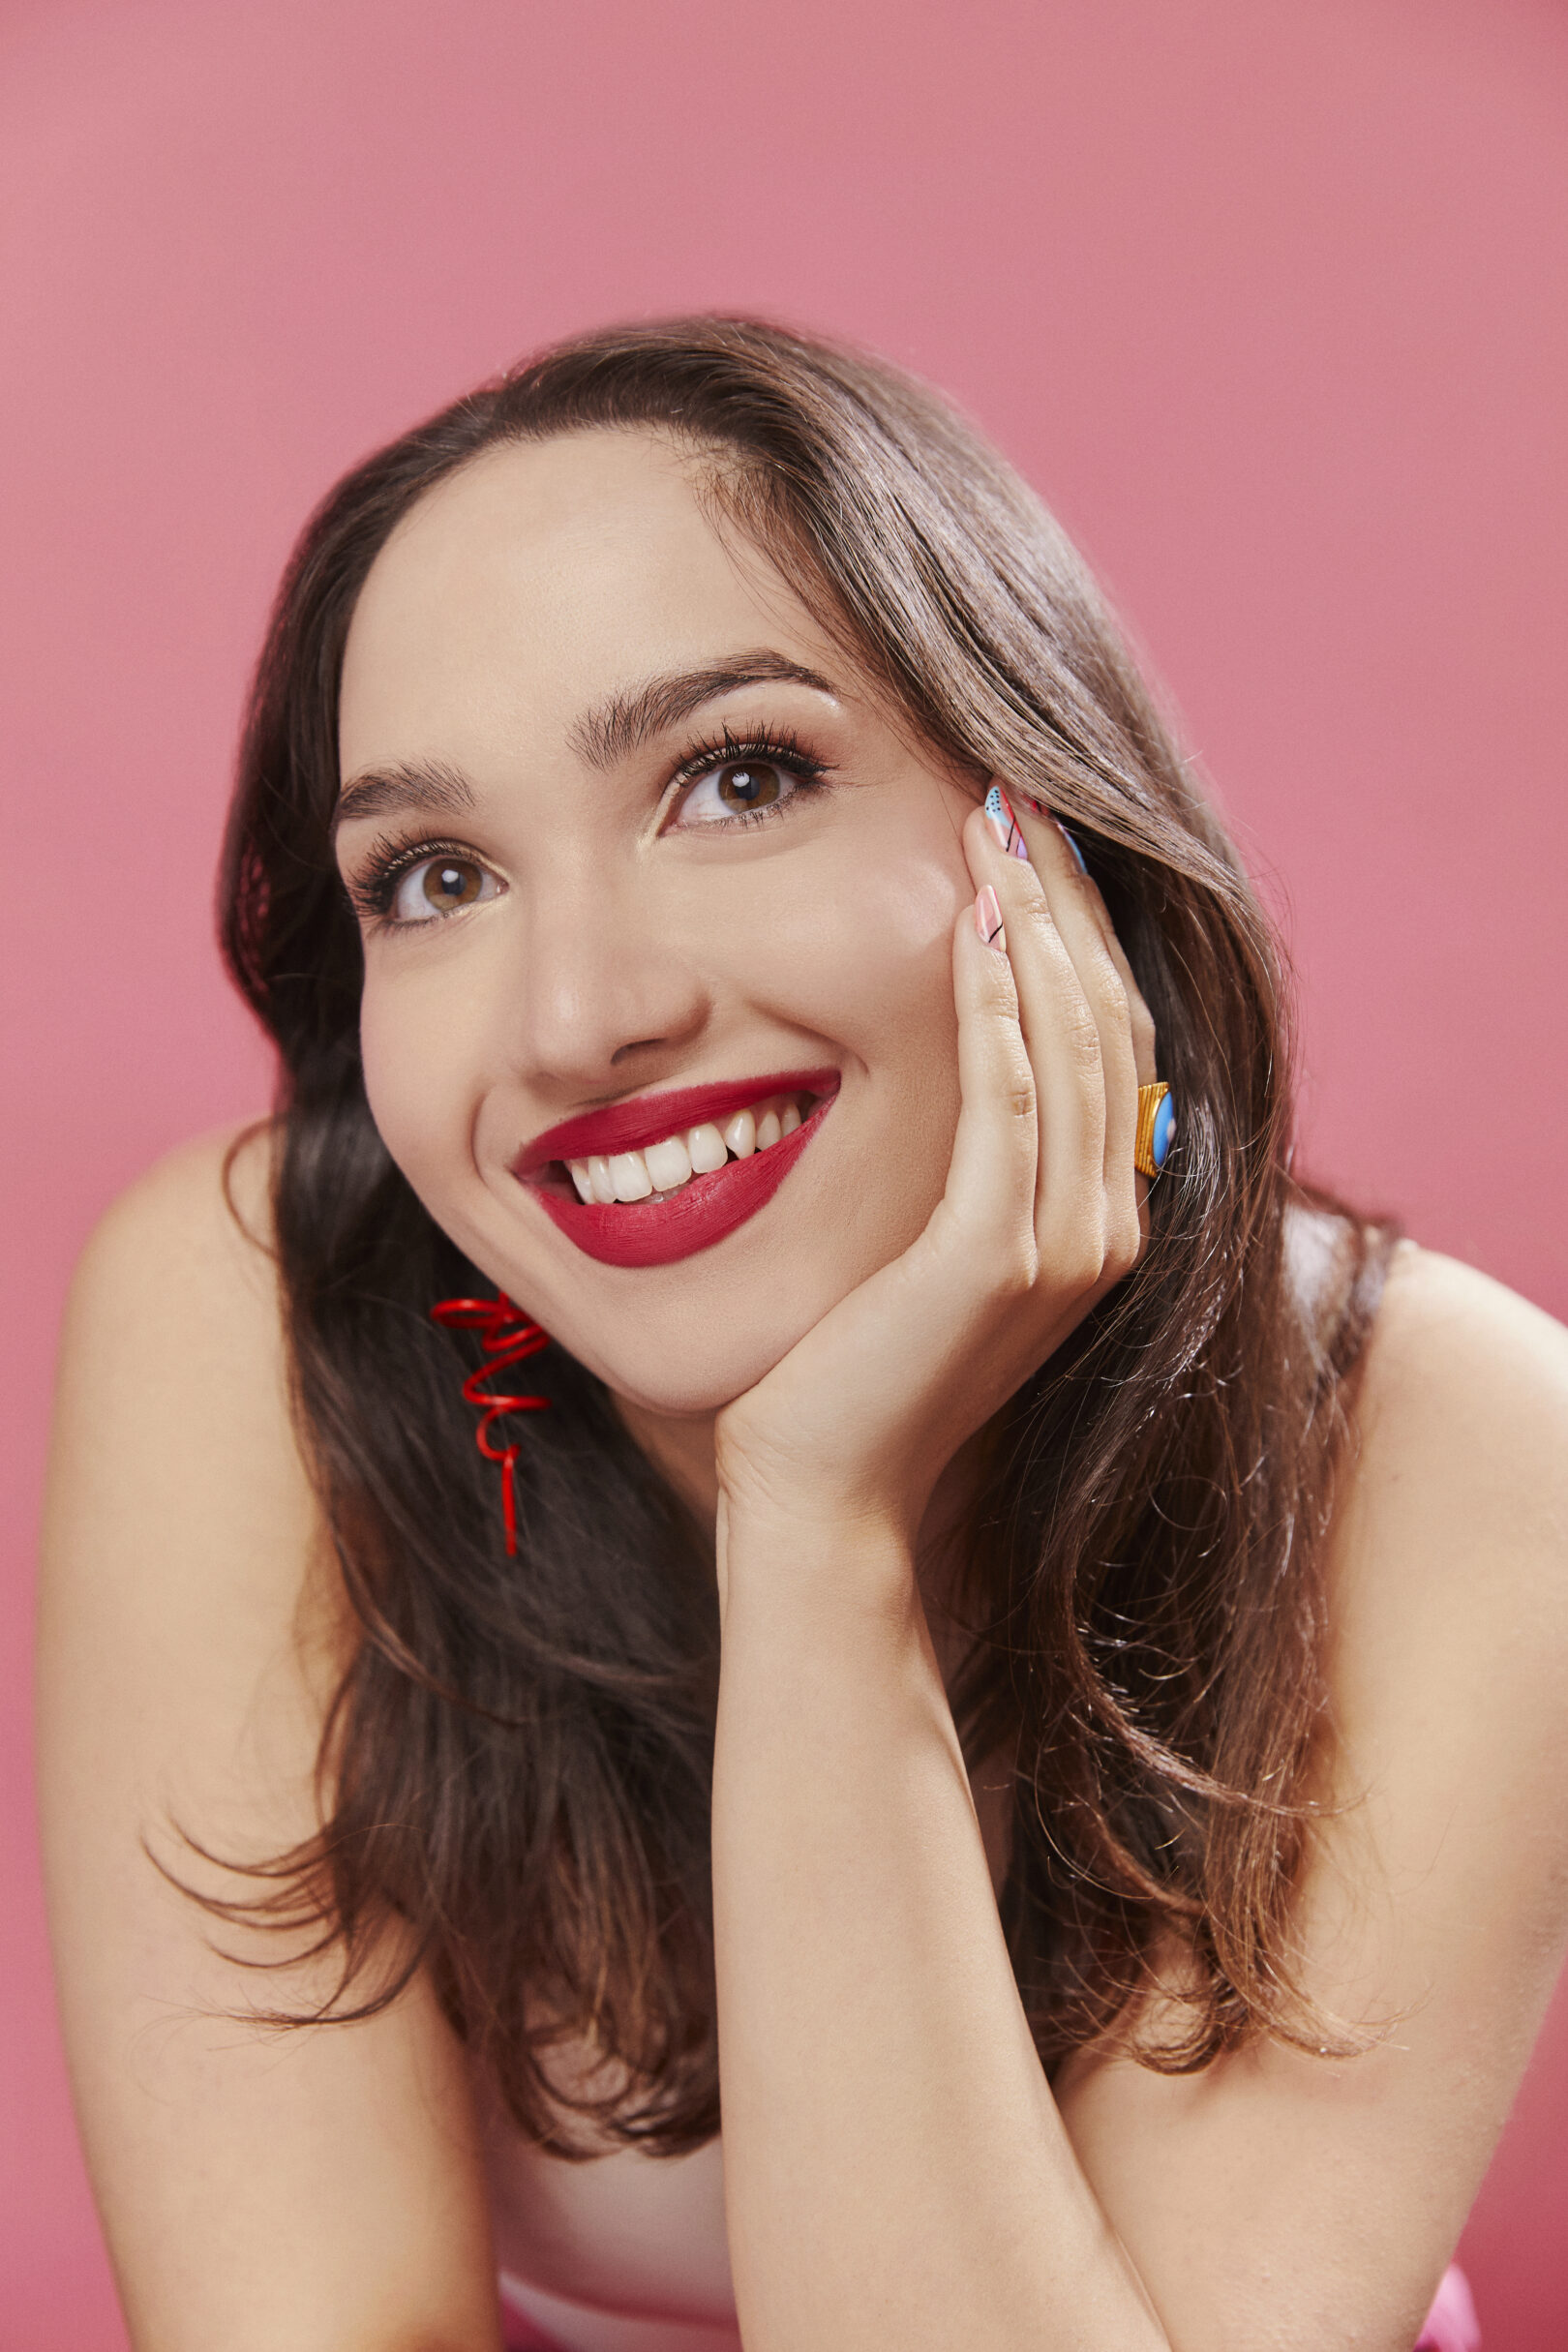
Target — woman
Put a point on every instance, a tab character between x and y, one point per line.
998	1626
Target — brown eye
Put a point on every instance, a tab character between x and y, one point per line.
737	789
440	886
451	882
747	784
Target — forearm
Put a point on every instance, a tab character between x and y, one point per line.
896	2168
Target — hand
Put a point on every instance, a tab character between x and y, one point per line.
1042	1212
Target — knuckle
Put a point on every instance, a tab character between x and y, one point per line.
1037	924
1000	992
1018	1093
1095	1250
1124	1243
1077	1257
1081	1038
1109	986
1021	1100
1084	1271
1012	1270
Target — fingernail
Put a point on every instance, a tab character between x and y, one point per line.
988	919
1077	853
1004	824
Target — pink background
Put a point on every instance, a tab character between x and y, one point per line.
1267	300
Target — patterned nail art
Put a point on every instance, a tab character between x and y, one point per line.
988	921
1077	853
1004	824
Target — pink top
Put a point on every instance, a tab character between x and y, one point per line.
1451	2325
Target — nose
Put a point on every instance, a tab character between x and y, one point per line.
609	995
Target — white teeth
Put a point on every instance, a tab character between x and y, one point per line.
664	1167
705	1146
669	1164
628	1172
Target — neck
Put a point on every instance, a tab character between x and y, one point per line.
682	1448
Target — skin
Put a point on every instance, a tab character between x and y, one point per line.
626	951
630	945
896	2169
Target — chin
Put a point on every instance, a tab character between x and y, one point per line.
683	1382
682	1342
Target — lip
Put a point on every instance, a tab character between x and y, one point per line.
626	1126
707	1208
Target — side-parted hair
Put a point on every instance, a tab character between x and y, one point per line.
515	1775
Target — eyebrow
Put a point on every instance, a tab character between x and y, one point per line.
625	721
607	732
427	784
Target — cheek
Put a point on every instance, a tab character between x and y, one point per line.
864	953
416	1087
862	959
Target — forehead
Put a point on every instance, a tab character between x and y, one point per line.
542	573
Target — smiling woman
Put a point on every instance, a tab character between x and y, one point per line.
1005	1650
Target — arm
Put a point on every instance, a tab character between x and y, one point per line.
896	2168
897	2171
317	2191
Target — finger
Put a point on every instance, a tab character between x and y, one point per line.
1079	914
1125	1028
1145	1048
1062	1037
992	1176
1144	1051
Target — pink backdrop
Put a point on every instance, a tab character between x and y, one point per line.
1268	301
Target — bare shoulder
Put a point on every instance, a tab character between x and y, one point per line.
188	1244
1449	1337
1449	1614
180	1524
1462	1431
173	1338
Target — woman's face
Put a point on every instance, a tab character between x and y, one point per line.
622	824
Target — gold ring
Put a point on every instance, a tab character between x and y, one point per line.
1155	1129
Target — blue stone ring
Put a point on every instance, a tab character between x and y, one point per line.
1157	1128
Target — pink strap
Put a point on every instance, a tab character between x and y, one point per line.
1451	2325
518	2333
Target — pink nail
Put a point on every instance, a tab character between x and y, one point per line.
1004	825
988	919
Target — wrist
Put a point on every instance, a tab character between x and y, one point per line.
784	1496
834	1557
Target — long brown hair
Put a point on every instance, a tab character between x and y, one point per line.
518	1760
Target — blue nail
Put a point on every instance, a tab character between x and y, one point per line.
1077	853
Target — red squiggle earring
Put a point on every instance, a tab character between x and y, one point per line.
508	1337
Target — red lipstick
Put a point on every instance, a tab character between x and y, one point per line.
706	1208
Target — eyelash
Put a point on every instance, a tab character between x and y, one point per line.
779	750
374	889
